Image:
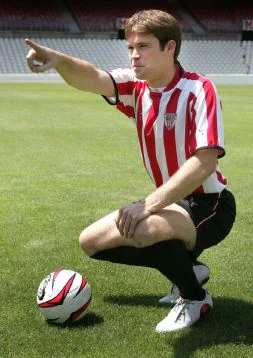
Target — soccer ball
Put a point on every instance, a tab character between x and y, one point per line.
64	296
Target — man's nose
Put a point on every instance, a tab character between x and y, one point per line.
135	54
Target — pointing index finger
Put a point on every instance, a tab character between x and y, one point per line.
32	44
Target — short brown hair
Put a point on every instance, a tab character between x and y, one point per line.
159	23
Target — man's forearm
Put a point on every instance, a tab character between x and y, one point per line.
77	73
188	178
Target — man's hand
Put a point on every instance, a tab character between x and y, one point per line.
129	216
45	57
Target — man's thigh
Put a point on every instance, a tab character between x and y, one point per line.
172	222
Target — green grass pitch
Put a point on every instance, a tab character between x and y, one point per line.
67	158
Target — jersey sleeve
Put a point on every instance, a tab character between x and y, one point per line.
207	123
124	82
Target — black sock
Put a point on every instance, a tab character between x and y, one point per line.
169	257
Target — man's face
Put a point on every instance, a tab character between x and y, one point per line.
147	59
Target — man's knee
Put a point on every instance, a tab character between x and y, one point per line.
87	242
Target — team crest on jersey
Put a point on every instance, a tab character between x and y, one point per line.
170	120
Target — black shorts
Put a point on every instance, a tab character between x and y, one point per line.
213	216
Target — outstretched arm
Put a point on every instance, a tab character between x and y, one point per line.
76	72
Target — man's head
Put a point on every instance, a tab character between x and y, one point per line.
158	23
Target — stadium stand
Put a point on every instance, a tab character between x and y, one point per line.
220	16
72	26
207	56
104	53
29	15
103	16
223	56
42	15
215	16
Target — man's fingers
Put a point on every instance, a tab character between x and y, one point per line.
30	57
39	68
45	66
132	228
126	227
38	63
122	223
117	220
33	45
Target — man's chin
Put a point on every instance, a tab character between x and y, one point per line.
140	75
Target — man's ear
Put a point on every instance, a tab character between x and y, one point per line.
171	45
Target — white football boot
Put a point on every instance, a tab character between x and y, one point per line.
184	314
202	273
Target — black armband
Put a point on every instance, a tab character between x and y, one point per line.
113	103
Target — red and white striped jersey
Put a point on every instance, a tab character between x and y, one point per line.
174	122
